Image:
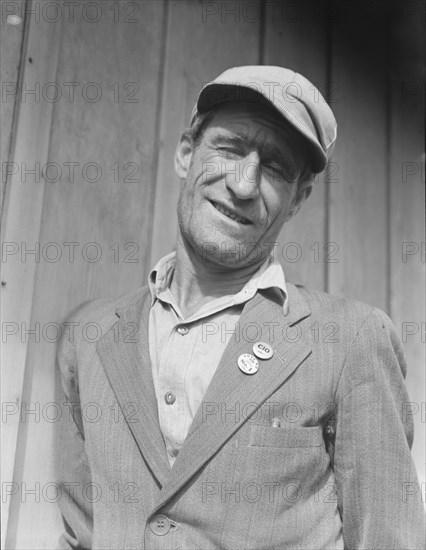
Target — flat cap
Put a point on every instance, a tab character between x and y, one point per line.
296	99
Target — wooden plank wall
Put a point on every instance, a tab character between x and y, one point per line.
357	211
406	201
11	44
12	39
21	221
110	192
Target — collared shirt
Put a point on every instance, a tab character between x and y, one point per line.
185	352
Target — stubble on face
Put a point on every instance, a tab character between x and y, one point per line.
239	188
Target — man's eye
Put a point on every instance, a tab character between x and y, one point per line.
225	150
276	169
280	173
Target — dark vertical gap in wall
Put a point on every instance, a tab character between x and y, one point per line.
388	76
262	32
158	119
328	7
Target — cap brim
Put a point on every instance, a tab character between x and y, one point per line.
218	93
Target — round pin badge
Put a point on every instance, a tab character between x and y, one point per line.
263	350
248	364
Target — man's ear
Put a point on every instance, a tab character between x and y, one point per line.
303	191
183	156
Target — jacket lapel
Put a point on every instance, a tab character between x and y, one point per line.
124	354
238	391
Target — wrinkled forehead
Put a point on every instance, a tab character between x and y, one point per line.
258	125
252	112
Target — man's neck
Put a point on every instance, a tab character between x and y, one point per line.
195	282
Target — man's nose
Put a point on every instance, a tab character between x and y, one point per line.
242	177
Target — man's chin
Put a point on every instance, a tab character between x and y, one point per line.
230	254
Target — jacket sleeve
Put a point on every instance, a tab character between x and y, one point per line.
377	487
73	469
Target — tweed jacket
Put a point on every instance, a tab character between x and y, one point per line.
310	452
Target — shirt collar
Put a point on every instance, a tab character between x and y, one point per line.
160	276
269	275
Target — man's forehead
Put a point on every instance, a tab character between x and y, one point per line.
255	125
250	111
245	118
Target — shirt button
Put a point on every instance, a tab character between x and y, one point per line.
182	330
160	525
170	398
174	453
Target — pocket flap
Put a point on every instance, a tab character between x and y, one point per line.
267	436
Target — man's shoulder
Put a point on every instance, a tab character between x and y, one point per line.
326	302
346	311
102	311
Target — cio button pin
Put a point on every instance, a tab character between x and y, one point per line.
248	364
263	350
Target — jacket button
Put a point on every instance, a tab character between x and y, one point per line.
170	398
160	525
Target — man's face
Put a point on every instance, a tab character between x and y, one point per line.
240	185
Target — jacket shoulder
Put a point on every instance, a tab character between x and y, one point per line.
354	323
345	311
100	309
93	318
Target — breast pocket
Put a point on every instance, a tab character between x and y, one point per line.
267	436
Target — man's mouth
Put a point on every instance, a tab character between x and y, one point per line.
229	214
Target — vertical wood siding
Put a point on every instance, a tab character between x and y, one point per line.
11	44
148	59
21	222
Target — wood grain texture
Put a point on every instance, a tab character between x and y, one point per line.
296	38
406	206
11	46
203	39
358	198
94	135
21	225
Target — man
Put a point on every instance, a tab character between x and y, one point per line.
223	421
